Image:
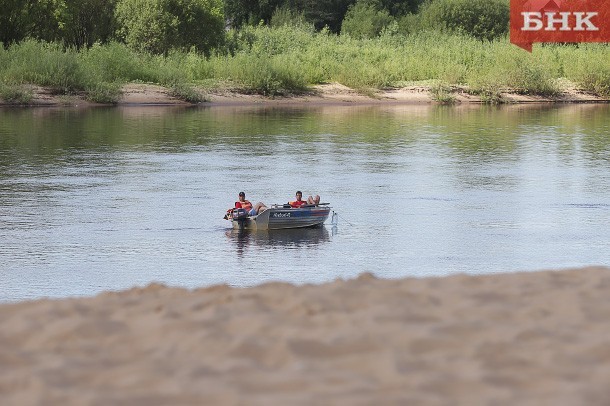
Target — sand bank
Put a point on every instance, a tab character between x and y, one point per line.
332	93
539	338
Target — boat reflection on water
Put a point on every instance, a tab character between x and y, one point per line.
278	239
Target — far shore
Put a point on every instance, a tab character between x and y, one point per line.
326	94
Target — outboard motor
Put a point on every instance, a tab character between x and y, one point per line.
240	215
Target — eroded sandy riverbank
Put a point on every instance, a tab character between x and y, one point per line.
148	94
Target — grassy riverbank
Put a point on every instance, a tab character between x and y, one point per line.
288	60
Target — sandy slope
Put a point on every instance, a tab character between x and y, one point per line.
539	338
332	93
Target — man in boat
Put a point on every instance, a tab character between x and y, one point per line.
242	203
300	202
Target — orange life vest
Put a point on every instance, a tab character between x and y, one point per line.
244	205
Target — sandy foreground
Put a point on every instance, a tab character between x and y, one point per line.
532	338
331	93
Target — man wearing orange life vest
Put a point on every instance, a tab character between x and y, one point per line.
245	204
299	202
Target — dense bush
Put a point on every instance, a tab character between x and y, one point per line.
160	25
365	20
483	19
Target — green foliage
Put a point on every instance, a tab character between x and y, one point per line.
531	78
365	20
43	64
285	16
269	41
488	94
504	66
325	13
269	76
158	26
483	19
487	68
288	59
113	62
242	12
409	24
441	93
588	66
74	22
400	7
104	92
187	93
15	94
20	19
320	13
81	23
596	81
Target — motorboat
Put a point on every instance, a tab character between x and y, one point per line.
279	217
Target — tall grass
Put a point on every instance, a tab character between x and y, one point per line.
288	59
43	64
588	65
15	94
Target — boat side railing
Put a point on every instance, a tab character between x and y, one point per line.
288	206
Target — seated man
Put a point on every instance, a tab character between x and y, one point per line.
299	202
245	204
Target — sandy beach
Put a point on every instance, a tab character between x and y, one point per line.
330	93
530	338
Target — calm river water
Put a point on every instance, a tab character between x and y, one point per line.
108	198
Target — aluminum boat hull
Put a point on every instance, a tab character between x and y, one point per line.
279	218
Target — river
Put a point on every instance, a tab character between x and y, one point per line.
110	198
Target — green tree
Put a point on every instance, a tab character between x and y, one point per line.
20	19
81	23
483	19
285	16
158	26
400	7
240	12
331	13
408	24
324	13
320	13
74	22
365	20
